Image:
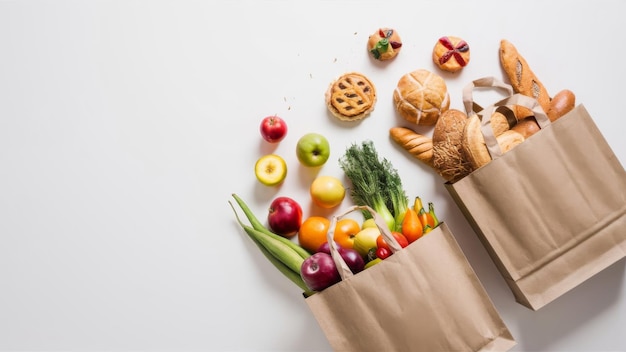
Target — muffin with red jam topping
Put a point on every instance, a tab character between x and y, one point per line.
384	44
451	53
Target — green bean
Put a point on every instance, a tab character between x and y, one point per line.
257	225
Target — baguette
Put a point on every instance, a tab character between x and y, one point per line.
419	146
522	78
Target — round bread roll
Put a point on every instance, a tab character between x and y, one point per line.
448	157
562	103
474	145
351	97
384	44
451	53
499	123
521	112
421	97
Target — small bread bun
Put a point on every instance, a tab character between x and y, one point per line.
421	97
351	97
509	139
527	127
499	123
561	103
384	44
521	112
448	157
474	145
451	53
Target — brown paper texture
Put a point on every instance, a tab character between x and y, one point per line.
425	297
552	211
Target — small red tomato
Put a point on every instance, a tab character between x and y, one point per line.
383	253
273	129
402	241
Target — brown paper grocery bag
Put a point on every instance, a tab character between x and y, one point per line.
551	212
425	297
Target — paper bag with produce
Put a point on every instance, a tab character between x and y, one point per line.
424	297
551	211
396	281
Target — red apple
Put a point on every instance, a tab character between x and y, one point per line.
273	129
319	271
284	216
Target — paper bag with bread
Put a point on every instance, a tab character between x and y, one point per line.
547	199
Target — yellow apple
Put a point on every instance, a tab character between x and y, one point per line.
270	169
327	191
369	223
366	240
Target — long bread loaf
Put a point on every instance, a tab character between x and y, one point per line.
418	145
522	78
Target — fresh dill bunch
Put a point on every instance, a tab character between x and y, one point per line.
375	182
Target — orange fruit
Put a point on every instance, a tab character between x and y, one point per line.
312	233
345	231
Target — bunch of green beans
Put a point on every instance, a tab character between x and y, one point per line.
284	254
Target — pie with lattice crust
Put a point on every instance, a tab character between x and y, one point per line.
351	97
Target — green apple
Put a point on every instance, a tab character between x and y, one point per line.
313	150
365	240
270	169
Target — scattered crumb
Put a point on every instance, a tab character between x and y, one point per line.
310	75
335	60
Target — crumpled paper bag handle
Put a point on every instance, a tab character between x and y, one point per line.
342	267
485	114
485	82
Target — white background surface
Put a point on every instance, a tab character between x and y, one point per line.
126	126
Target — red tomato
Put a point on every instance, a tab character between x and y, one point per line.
383	253
402	241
